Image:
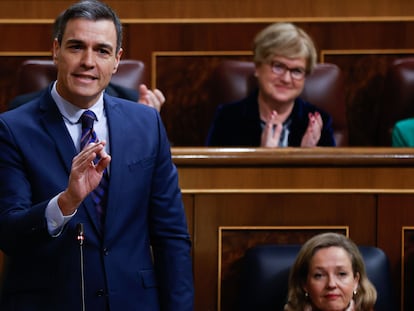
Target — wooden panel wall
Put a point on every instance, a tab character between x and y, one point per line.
264	210
367	191
180	57
148	9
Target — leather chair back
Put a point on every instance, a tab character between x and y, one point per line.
398	98
265	275
324	87
36	74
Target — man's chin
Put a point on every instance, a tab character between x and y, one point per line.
87	91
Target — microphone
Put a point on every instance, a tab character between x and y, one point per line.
81	237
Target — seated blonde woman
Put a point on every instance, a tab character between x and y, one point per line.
329	274
274	115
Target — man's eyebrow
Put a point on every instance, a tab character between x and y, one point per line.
99	45
72	41
105	46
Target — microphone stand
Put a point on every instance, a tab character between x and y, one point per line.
81	237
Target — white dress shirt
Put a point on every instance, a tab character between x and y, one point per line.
71	115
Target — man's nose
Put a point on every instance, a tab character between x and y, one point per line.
88	58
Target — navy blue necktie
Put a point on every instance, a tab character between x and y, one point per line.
88	134
99	195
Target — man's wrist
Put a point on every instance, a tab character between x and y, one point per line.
66	203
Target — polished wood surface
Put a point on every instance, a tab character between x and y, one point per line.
342	170
215	9
325	156
368	190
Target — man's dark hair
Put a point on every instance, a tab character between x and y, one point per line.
93	10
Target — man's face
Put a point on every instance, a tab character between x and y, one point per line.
85	60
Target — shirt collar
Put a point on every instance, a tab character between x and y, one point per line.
73	113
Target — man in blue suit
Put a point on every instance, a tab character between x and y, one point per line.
62	253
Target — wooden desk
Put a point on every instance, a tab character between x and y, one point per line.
237	198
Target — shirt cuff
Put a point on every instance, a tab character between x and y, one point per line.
54	217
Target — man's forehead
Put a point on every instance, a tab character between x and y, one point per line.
84	29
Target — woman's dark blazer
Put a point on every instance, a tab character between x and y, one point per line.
238	124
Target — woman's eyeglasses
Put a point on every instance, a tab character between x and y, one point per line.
280	69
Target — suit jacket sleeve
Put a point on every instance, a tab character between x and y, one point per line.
169	236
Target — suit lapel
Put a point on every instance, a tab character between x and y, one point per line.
54	125
118	143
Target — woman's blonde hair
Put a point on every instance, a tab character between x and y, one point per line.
366	294
286	40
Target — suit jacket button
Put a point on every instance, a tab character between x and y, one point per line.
105	251
100	293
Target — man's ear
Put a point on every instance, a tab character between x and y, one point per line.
55	51
117	60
